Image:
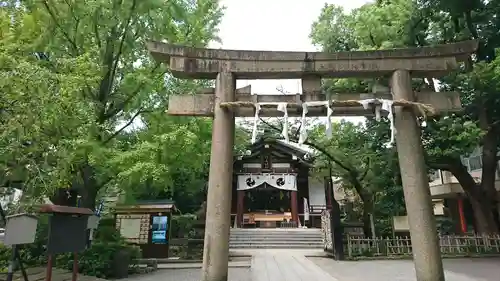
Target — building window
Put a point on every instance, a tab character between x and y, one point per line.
475	163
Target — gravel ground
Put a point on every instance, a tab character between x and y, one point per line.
486	269
235	274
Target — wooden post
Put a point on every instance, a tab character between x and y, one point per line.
240	207
48	274
74	275
294	207
218	215
423	231
329	190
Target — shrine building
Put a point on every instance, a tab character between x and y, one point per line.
273	187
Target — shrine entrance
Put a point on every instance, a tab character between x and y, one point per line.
267	207
401	104
271	184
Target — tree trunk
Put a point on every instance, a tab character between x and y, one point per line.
481	204
367	223
488	175
90	188
367	199
485	223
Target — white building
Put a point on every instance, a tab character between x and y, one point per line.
446	188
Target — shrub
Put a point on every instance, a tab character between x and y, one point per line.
182	226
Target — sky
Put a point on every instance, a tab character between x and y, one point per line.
273	25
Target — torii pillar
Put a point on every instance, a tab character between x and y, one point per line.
218	217
424	235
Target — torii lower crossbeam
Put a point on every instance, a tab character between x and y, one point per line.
343	104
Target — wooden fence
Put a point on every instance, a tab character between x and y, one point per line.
401	246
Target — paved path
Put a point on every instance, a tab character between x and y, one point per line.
292	265
231	264
268	265
487	269
191	274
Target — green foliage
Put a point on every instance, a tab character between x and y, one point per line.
366	168
83	101
403	23
33	97
182	226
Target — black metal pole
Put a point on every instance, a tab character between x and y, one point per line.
21	265
12	264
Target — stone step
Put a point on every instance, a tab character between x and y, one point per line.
276	242
276	239
266	230
275	246
288	239
239	238
277	231
277	236
274	234
253	245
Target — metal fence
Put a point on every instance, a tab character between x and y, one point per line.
451	245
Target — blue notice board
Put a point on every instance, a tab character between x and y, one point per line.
159	230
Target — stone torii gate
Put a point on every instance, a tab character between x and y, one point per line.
225	102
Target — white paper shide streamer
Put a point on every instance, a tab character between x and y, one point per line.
303	130
306	210
282	108
386	106
329	112
328	124
255	122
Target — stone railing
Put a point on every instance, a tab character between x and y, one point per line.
451	246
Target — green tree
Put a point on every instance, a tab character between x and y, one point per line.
401	23
360	159
169	160
123	82
34	96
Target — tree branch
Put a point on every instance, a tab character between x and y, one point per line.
470	24
56	22
120	48
363	195
315	146
117	132
363	176
121	106
96	29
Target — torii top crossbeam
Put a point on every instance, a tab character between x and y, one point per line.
200	63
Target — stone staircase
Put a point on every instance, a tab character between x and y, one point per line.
276	238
